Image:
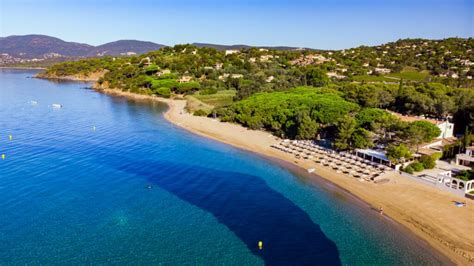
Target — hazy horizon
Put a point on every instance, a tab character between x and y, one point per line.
314	24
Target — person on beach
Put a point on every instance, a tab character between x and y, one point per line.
381	210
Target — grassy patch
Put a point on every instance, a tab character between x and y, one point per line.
193	104
373	79
410	75
219	99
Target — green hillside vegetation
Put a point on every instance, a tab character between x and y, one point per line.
419	83
372	79
411	74
310	113
218	99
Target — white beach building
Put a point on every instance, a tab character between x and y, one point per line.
446	127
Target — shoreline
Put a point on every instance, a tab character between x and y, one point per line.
446	233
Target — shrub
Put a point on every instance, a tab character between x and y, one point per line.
428	162
151	69
437	155
187	87
163	91
200	112
395	153
417	166
158	83
466	175
208	91
409	169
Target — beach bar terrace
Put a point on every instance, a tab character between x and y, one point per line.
374	156
340	162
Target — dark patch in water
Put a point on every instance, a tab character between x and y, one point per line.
247	206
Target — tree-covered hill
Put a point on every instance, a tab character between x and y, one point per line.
404	76
310	113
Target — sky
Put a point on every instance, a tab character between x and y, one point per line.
330	24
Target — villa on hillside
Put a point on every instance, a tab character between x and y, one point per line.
227	75
146	61
382	70
185	79
335	75
446	127
228	52
163	72
466	158
446	136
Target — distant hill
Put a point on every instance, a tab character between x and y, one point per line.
125	46
243	46
42	50
17	49
37	46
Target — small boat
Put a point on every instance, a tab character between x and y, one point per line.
33	102
56	105
310	170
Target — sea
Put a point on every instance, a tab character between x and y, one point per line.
89	178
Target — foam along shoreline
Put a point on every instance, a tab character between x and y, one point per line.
425	211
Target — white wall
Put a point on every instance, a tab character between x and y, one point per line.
446	130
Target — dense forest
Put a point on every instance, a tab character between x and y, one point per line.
346	96
312	113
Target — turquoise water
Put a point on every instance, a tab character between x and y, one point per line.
140	190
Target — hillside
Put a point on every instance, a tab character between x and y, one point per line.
41	46
222	47
388	76
123	47
37	49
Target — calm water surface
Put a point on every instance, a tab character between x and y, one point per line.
137	189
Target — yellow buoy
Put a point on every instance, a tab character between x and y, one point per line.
260	245
3	156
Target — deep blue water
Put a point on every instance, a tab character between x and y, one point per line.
137	189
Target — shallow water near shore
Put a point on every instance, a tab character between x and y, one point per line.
108	180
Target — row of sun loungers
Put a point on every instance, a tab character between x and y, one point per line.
346	163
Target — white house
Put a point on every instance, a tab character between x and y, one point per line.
228	52
185	79
446	127
466	158
382	70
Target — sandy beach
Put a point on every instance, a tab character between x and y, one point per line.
426	211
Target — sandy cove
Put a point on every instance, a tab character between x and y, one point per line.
426	211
